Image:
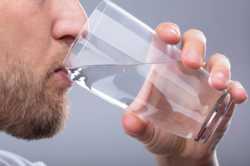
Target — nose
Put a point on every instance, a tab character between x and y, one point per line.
69	18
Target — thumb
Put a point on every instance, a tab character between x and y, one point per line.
137	127
155	141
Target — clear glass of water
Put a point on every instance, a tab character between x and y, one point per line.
120	59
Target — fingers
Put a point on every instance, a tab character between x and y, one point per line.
194	48
169	33
194	43
222	127
219	68
133	125
237	91
226	118
140	129
155	141
238	95
137	128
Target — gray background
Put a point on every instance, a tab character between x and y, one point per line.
94	136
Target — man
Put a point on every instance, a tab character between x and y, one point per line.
35	37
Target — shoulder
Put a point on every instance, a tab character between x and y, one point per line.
11	159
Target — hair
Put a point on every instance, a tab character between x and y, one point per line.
30	108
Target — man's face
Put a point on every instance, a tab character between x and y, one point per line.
35	36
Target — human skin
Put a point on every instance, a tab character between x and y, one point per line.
35	38
170	149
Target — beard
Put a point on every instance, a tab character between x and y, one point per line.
31	107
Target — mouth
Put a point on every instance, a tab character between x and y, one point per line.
61	69
62	77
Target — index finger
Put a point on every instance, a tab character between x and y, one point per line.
169	33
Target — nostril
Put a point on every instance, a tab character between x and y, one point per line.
68	21
69	40
66	30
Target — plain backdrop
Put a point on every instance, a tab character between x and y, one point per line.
94	136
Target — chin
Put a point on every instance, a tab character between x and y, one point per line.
44	120
31	107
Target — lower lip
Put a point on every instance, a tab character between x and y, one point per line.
63	79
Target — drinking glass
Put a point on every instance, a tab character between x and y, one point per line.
122	60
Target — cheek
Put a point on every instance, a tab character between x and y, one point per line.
25	36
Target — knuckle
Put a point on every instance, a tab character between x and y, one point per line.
162	144
220	59
175	26
237	85
231	87
230	84
195	34
167	26
217	56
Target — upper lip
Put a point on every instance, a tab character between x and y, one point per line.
57	69
61	68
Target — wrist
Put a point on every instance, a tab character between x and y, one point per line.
210	160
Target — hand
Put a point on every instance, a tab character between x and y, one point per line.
169	148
